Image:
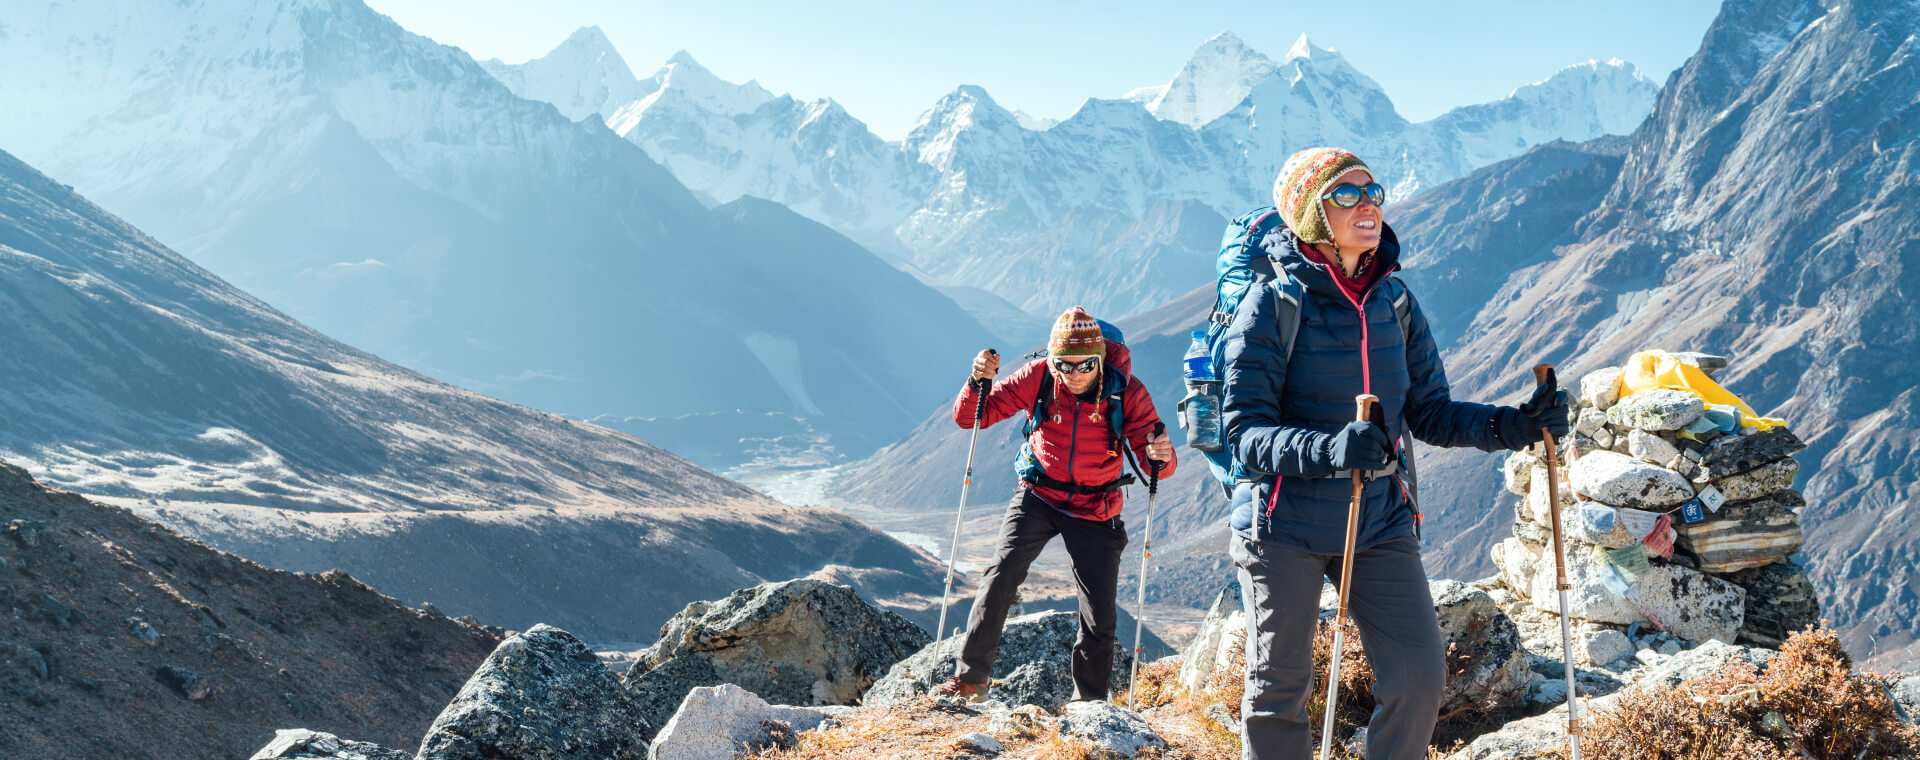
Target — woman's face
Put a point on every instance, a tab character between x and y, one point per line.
1357	228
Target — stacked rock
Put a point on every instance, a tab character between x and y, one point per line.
1674	513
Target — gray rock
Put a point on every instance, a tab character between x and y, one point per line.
1780	600
1519	471
1591	598
144	632
1764	481
1600	389
1706	363
1496	665
1590	421
1650	448
183	682
1657	409
1516	560
725	721
1698	662
541	695
1116	731
1692	605
1222	634
1745	534
300	743
1605	439
1603	647
1538	493
1906	691
980	743
1734	454
1535	738
1623	481
804	642
1031	667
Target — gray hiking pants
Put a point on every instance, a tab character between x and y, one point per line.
1094	547
1394	612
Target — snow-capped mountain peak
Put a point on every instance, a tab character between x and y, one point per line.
1220	74
583	76
692	81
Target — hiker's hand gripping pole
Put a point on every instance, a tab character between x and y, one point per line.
1543	375
1146	553
1366	409
980	387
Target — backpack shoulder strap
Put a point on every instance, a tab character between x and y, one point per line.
1402	307
1039	410
1288	296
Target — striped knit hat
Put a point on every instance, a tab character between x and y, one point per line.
1296	192
1076	334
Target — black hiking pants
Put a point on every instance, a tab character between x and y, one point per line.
1094	547
1392	607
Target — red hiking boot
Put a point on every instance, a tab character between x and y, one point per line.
955	687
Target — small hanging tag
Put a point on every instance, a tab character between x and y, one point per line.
1693	511
1712	498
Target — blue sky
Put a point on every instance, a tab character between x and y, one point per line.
889	61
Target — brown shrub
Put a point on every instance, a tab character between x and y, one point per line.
1807	705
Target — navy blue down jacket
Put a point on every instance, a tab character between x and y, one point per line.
1281	411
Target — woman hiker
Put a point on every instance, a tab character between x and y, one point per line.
1071	476
1289	416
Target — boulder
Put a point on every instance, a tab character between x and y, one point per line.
1600	389
1745	534
803	642
1698	662
1115	732
1536	738
1496	663
1692	605
300	743
720	722
1780	600
1593	596
1656	410
1627	482
1032	665
1222	635
1906	691
541	695
1519	471
980	743
1516	560
1651	448
1766	480
1734	454
1590	421
1538	493
1602	647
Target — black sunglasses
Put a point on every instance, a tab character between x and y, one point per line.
1065	367
1348	195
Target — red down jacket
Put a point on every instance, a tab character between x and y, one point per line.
1075	443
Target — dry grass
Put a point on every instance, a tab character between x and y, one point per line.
1807	705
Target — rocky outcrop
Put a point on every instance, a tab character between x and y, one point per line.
541	695
721	722
1033	665
1491	666
302	744
1116	732
1222	637
801	642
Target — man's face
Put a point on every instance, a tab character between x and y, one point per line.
1075	373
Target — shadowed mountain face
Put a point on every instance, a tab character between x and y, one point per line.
132	375
1767	211
389	192
129	641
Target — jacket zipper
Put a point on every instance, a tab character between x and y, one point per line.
1366	370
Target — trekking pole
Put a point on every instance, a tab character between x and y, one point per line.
1543	375
980	388
1146	553
1366	405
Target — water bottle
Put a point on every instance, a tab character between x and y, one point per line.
1200	410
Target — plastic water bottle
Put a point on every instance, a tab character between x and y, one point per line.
1200	410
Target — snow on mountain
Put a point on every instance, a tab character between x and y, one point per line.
978	196
582	77
1220	74
408	203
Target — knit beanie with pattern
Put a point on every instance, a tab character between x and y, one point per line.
1076	334
1306	175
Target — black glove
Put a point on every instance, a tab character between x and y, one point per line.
1358	446
1520	428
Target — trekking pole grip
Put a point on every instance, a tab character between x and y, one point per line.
1363	406
980	387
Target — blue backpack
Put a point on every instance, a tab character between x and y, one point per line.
1113	385
1243	263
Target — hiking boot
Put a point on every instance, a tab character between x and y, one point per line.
961	689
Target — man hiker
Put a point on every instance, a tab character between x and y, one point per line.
1071	476
1289	418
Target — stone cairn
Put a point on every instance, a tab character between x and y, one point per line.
1675	517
